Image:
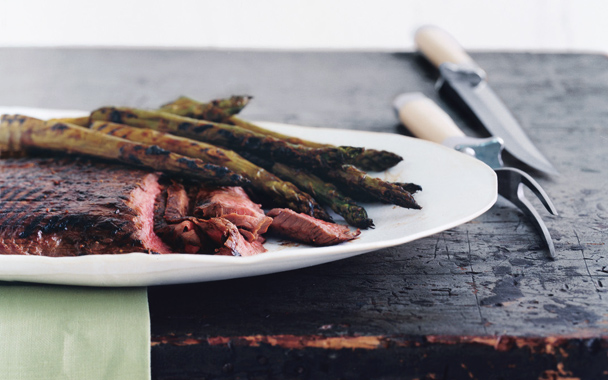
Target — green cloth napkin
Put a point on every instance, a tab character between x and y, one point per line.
63	332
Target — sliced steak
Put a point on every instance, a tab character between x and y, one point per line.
219	235
71	207
306	229
227	238
178	202
233	204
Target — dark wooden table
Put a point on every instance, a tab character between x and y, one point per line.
480	301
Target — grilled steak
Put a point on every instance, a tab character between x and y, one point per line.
71	207
306	229
75	206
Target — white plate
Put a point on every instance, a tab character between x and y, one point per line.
456	189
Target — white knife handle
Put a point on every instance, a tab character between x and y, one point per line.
438	47
425	119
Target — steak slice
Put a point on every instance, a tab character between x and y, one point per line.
177	203
74	206
306	229
233	204
227	238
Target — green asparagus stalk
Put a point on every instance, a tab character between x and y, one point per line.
355	183
19	133
368	159
284	194
218	110
227	136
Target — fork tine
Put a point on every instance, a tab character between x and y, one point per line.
535	218
510	186
540	193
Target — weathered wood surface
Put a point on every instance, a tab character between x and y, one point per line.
477	301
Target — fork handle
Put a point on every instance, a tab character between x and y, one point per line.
425	119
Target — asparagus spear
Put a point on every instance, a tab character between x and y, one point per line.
218	110
285	194
355	182
24	133
368	159
326	193
364	196
227	136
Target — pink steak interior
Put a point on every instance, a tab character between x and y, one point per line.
142	201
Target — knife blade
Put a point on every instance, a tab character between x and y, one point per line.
463	80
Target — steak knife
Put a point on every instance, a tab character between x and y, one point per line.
465	82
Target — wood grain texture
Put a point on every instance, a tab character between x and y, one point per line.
484	282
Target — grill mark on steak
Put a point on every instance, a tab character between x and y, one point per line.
11	193
25	196
19	213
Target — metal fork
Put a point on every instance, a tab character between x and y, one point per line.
511	184
428	121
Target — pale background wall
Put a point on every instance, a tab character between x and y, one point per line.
564	25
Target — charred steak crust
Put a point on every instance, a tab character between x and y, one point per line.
69	207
